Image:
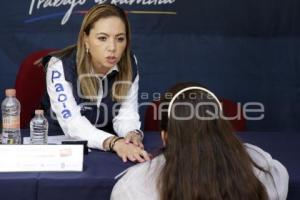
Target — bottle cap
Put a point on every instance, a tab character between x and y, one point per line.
10	92
39	112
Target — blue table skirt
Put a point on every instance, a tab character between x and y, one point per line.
100	168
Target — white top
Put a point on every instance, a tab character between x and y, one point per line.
77	126
140	181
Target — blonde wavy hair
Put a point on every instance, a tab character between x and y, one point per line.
90	86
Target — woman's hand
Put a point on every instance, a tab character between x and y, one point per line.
129	151
135	138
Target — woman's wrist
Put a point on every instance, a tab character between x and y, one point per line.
110	143
113	144
107	142
139	133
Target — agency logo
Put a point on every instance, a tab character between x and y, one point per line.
73	8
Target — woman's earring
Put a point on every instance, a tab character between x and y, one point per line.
86	48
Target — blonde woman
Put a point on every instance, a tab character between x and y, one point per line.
92	87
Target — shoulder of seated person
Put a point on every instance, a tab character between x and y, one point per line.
259	156
146	168
53	60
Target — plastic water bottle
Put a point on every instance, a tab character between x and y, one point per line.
39	128
11	109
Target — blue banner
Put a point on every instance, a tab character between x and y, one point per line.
246	51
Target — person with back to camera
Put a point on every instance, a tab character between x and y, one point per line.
202	158
92	87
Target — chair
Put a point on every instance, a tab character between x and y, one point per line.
230	110
151	121
30	85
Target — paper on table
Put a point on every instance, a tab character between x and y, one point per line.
52	139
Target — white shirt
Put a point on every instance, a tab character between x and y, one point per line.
68	114
140	181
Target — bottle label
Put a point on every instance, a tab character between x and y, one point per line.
11	122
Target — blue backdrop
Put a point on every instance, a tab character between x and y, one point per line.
243	50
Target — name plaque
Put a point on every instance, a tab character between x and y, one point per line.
50	158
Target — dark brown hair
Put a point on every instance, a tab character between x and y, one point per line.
204	159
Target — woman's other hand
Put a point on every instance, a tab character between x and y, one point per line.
135	137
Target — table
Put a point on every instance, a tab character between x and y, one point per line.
100	168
